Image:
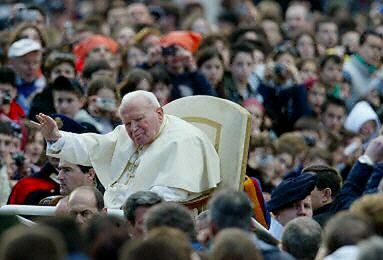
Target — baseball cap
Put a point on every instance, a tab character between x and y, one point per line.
21	47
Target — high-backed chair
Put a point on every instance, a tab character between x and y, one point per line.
227	125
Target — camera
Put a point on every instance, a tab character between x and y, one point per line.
106	104
5	97
169	51
19	158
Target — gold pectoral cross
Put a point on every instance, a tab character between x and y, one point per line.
131	166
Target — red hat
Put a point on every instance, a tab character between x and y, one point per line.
82	49
186	39
251	101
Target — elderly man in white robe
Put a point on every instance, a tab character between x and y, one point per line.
150	151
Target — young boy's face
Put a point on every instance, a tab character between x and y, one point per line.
242	66
7	89
67	103
331	72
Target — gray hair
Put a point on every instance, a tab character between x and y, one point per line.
302	237
149	96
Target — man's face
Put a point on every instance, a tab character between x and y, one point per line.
27	66
83	207
371	50
138	13
316	97
142	120
333	117
327	35
70	177
316	198
67	103
331	72
300	208
296	19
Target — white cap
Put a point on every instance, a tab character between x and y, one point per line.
22	47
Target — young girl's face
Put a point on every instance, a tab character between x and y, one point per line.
305	46
242	66
34	148
213	70
162	92
308	71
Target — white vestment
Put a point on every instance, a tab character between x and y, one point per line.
181	157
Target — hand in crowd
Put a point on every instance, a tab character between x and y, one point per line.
48	127
375	150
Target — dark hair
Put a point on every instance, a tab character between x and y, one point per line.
171	215
160	75
92	66
327	177
332	57
139	199
99	83
211	39
62	83
56	58
134	77
206	54
366	33
229	208
331	100
6	128
238	48
7	76
302	237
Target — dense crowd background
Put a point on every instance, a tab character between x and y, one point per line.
309	72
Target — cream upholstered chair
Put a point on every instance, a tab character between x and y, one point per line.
227	125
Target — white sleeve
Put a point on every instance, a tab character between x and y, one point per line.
55	147
170	194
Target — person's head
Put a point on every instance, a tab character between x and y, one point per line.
160	243
6	142
296	19
8	89
331	69
345	228
25	57
306	45
35	243
68	96
35	144
327	187
138	14
102	97
135	208
273	31
326	33
350	41
229	209
241	62
316	97
137	79
233	243
371	207
211	63
257	111
72	176
29	31
301	238
178	48
370	49
59	64
124	36
291	198
62	208
95	68
333	114
170	215
162	86
85	203
142	116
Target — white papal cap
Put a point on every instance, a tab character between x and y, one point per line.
22	47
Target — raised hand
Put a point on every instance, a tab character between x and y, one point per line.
48	127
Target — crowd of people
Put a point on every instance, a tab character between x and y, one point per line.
82	85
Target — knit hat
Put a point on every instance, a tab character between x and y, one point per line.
82	49
292	190
186	39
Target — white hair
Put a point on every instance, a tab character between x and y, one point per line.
149	96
